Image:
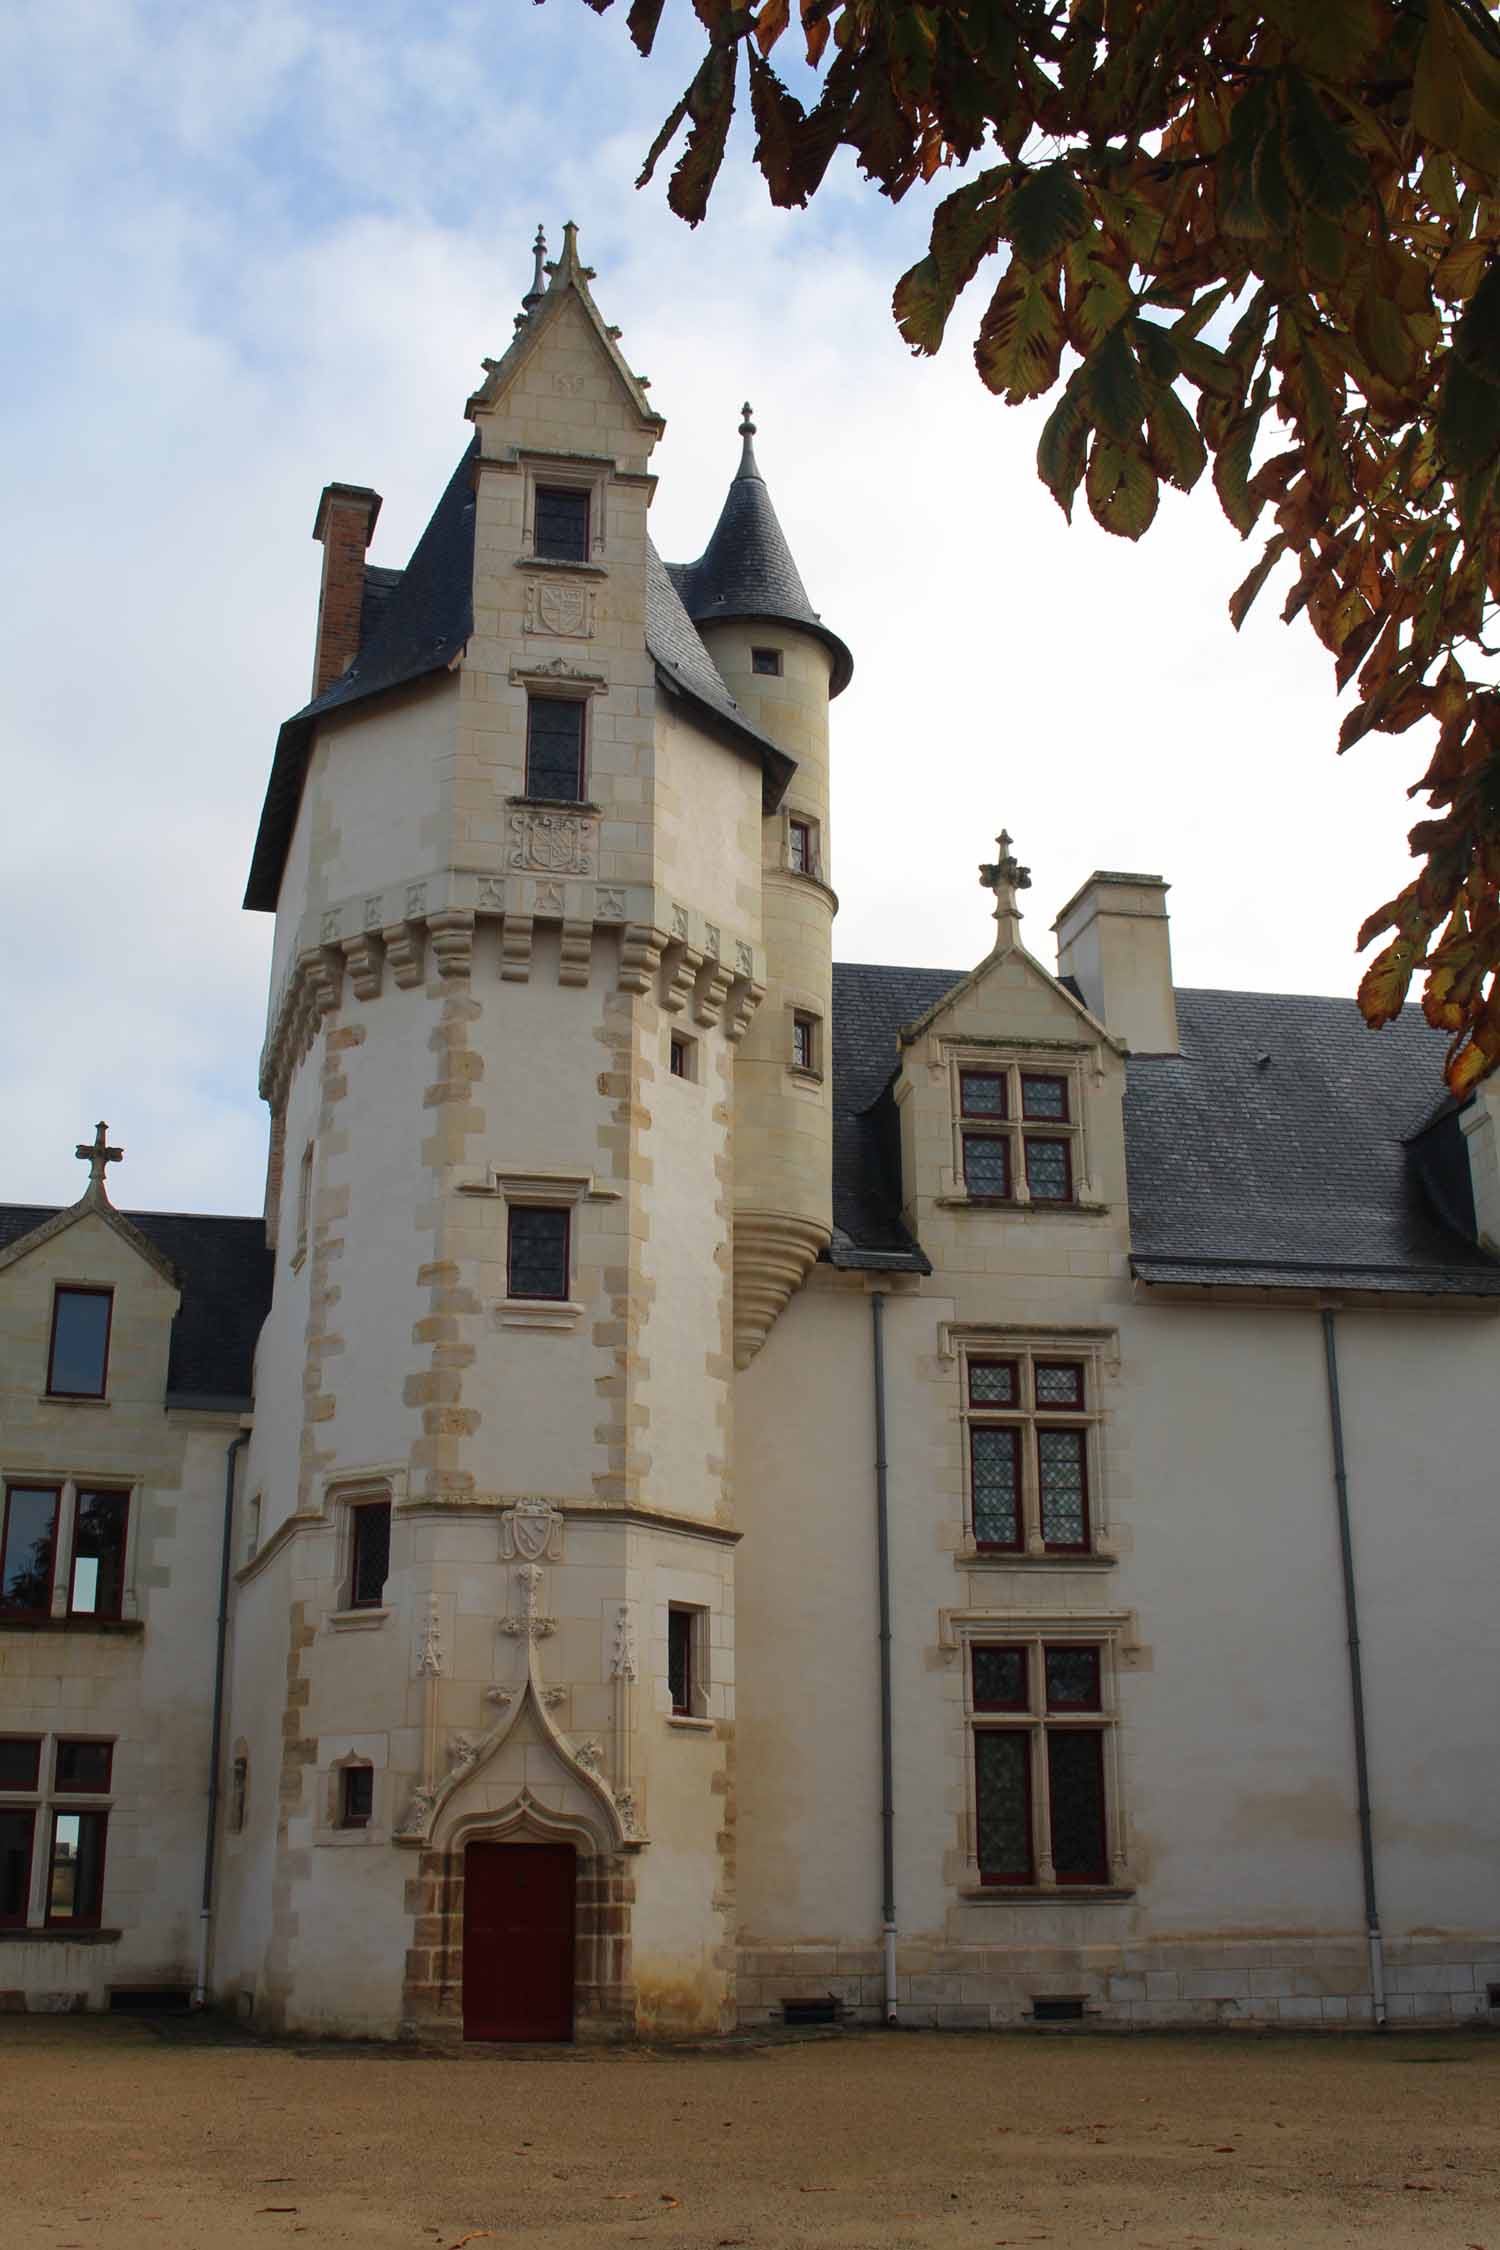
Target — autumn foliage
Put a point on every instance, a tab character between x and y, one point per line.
1257	240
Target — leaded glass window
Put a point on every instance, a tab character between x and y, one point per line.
1002	1802
999	1678
1062	1486
1072	1678
1049	1176
995	1458
1059	1382
992	1382
370	1544
982	1093
554	748
1044	1096
538	1263
986	1165
562	524
1075	1790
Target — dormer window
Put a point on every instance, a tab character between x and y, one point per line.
562	524
78	1361
1018	1134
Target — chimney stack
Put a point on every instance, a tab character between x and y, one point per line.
1112	939
344	526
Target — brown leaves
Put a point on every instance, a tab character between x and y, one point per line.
1020	338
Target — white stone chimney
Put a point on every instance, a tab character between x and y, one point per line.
1480	1124
1113	940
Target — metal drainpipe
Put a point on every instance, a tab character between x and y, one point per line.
883	1561
1356	1677
216	1729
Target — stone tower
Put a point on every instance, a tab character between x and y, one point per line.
539	939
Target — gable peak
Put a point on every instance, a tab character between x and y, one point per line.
566	277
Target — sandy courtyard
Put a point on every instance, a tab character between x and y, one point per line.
122	2134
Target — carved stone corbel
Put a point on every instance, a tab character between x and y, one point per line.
452	936
713	983
640	954
576	951
403	950
366	958
682	966
515	948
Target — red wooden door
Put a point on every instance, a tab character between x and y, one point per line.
518	1941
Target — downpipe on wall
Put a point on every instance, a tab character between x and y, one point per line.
211	1825
1356	1676
883	1568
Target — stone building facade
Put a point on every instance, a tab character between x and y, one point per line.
741	1484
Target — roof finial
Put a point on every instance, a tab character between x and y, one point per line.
538	289
1005	876
748	466
98	1154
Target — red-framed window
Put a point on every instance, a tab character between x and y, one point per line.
1047	1685
101	1523
562	523
1044	1096
1062	1477
995	1484
356	1796
1002	1800
75	1869
1075	1803
1070	1670
1001	1676
1049	1168
78	1351
983	1093
555	748
28	1549
17	1836
82	1767
20	1761
537	1251
369	1553
1028	1467
987	1166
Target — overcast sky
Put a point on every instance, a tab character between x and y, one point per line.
255	245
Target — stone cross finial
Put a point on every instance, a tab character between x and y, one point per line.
1005	876
98	1154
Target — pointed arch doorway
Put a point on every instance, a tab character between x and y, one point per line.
519	1940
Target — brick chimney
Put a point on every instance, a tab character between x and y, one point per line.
344	525
1112	939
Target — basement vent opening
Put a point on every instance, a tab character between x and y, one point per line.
1492	1995
798	2012
1056	2010
149	2000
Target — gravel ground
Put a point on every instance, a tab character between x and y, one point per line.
128	2134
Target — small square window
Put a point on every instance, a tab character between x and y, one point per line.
99	1528
1059	1382
27	1550
982	1093
804	1042
994	1382
78	1360
1072	1678
554	748
766	661
356	1796
800	846
369	1553
999	1678
20	1762
1044	1096
562	524
537	1251
83	1768
75	1874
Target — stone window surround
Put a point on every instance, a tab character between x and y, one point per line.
361	1750
341	1496
699	1676
813	871
799	1010
1108	1630
1099	1350
71	1288
549	1190
1047	1058
67	1488
44	1801
589	473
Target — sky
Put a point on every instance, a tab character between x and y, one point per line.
254	246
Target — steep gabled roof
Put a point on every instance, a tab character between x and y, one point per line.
223	1269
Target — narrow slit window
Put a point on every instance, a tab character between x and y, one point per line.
370	1553
78	1361
683	1662
800	846
28	1549
537	1260
681	1056
17	1831
554	749
97	1587
562	524
75	1873
804	1042
239	1794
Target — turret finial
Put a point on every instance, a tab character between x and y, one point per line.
1005	876
537	291
98	1155
748	467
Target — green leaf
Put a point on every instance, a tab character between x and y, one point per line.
1209	369
1468	417
1046	213
1331	38
1325	169
1455	98
1062	448
1385	339
1176	450
1122	488
1112	386
1098	296
1020	341
1245	593
1156	351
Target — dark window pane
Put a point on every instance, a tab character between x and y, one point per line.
372	1554
1072	1679
75	1887
26	1565
680	1660
999	1679
1075	1778
802	1042
996	1458
1002	1794
993	1382
982	1093
562	524
84	1767
99	1554
538	1252
766	660
1049	1171
554	749
15	1866
20	1764
80	1342
358	1796
801	846
986	1165
1059	1383
1064	1487
1043	1097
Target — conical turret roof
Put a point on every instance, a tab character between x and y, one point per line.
747	571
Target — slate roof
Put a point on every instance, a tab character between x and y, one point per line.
1332	1164
224	1269
417	621
747	571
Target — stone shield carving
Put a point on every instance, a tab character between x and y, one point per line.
530	1531
555	843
